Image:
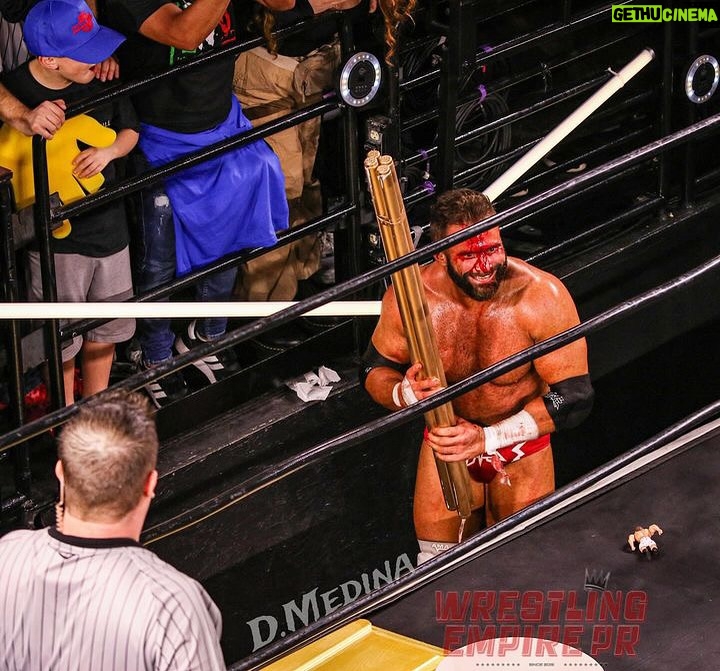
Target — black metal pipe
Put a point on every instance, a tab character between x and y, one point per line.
347	264
508	119
690	152
13	343
169	288
708	179
542	34
596	231
42	213
450	66
10	294
665	113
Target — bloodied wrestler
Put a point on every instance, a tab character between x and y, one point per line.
484	306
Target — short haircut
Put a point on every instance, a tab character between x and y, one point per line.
458	206
107	451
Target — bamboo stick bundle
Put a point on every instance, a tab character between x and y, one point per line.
412	303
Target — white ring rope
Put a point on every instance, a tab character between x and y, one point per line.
178	309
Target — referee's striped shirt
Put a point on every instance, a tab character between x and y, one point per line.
79	604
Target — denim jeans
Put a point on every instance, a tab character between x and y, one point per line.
154	264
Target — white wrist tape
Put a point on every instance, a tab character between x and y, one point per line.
515	429
396	395
407	392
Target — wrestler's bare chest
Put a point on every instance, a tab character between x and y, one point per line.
472	340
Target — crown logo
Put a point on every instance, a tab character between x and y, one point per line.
596	580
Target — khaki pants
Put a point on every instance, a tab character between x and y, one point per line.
269	87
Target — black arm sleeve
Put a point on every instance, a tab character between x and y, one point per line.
373	359
569	401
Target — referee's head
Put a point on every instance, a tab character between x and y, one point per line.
108	453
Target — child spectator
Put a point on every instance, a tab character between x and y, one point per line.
92	263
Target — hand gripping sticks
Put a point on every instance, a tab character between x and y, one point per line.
395	232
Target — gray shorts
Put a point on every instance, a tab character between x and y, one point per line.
85	278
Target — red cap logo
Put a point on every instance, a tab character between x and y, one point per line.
84	23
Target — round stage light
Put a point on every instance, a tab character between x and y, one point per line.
360	79
702	78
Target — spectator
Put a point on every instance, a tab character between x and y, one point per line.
273	82
227	204
93	261
48	116
87	596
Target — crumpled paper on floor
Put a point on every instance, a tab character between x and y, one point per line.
314	386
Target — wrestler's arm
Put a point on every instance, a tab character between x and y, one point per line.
389	342
382	368
550	310
631	542
654	528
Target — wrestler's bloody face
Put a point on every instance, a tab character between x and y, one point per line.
477	265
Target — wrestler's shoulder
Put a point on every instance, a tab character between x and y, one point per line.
532	280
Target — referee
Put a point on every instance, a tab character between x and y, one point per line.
88	596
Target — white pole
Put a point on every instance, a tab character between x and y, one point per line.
165	310
619	80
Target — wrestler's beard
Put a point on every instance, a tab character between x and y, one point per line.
478	293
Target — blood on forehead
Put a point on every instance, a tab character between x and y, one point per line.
482	241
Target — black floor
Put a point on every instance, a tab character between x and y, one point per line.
654	614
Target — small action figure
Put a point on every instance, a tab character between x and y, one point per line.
643	537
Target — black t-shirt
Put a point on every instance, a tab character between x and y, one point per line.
102	231
319	32
190	102
322	32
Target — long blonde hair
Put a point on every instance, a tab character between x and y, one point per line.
394	13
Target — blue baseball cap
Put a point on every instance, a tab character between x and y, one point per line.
68	29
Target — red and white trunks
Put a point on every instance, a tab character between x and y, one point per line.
481	468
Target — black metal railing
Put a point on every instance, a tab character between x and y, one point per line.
350	213
507	221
